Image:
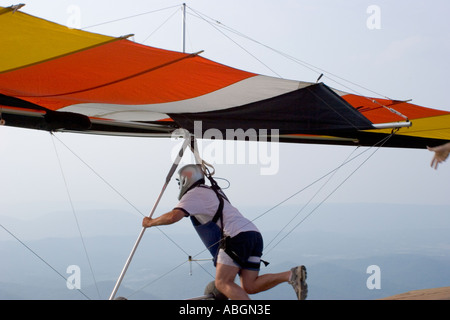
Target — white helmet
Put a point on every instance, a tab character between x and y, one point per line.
188	176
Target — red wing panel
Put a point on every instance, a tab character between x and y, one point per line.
120	72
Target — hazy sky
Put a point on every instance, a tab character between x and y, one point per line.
399	49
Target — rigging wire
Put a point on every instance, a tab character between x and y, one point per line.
322	72
322	177
217	25
383	141
99	176
130	203
158	278
378	144
116	191
333	109
167	273
235	42
160	26
227	181
264	213
290	57
75	215
40	258
306	204
308	186
128	17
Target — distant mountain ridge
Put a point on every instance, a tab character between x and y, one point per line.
409	244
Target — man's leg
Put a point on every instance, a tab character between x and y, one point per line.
225	276
253	283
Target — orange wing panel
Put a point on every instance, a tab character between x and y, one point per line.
376	113
120	72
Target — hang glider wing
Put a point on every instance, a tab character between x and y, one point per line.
60	79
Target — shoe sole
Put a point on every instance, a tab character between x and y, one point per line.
302	274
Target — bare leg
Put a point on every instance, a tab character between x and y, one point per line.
225	276
253	283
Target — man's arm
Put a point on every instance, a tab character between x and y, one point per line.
167	218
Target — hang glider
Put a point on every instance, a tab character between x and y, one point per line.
60	79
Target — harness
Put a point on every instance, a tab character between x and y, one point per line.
212	235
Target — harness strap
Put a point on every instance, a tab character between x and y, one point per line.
233	255
210	233
224	241
218	213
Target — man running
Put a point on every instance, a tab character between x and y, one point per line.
214	218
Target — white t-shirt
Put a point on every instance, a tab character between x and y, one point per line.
202	202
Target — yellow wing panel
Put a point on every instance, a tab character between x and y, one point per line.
31	40
437	127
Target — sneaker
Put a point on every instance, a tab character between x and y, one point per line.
298	281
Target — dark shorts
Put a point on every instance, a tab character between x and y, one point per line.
245	249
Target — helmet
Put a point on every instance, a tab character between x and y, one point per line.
188	176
